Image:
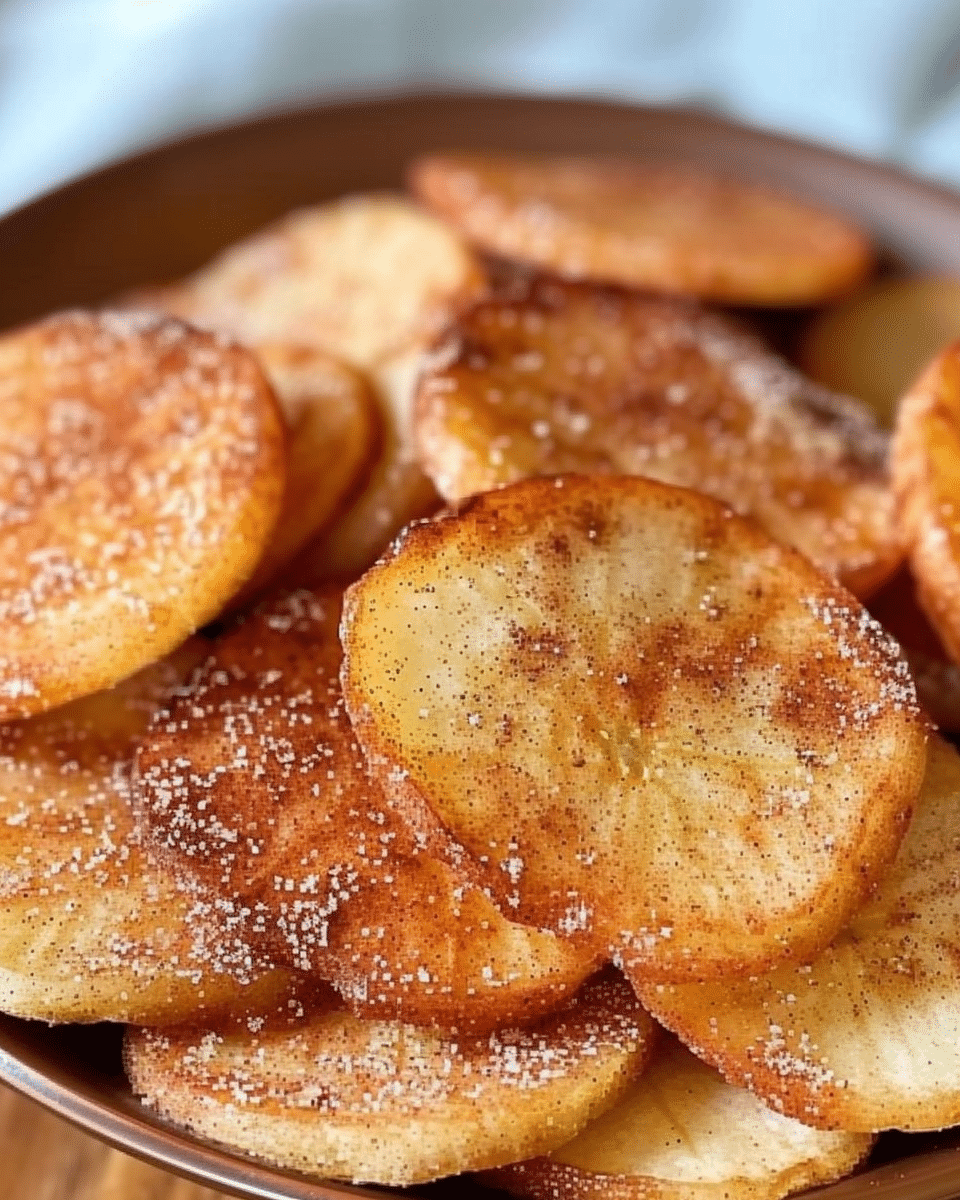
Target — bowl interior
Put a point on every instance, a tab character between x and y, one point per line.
155	217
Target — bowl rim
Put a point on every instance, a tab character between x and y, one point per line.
349	100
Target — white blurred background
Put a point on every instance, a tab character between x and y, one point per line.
85	81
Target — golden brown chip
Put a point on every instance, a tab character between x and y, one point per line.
668	227
865	1036
390	1103
421	948
651	727
576	378
332	431
926	477
371	280
363	278
252	785
91	929
876	343
682	1133
141	472
396	492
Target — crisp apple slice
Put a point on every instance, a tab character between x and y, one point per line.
568	377
682	1133
652	728
647	224
382	1102
251	788
864	1036
92	929
926	477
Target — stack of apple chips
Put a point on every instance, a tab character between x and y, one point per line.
537	797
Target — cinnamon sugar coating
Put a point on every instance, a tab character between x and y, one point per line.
864	1035
563	377
141	472
383	1102
663	226
252	786
92	929
651	727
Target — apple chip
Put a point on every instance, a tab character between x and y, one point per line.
569	377
652	728
418	947
363	278
396	492
646	224
926	477
332	432
682	1133
370	279
864	1036
141	473
91	929
388	1103
876	343
251	786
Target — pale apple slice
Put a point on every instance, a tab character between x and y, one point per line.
863	1037
876	343
569	377
682	1133
92	930
648	224
396	491
363	278
371	280
382	1102
652	728
333	431
251	786
926	477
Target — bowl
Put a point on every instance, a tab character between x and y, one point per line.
161	214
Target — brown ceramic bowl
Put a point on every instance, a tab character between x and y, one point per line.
165	212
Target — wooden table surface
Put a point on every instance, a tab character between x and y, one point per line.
44	1158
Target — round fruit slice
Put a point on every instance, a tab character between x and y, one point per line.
576	378
863	1037
926	478
644	224
681	1133
332	432
651	727
141	473
92	930
370	279
396	491
388	1103
363	278
251	786
875	344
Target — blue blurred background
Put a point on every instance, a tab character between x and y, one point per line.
85	81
